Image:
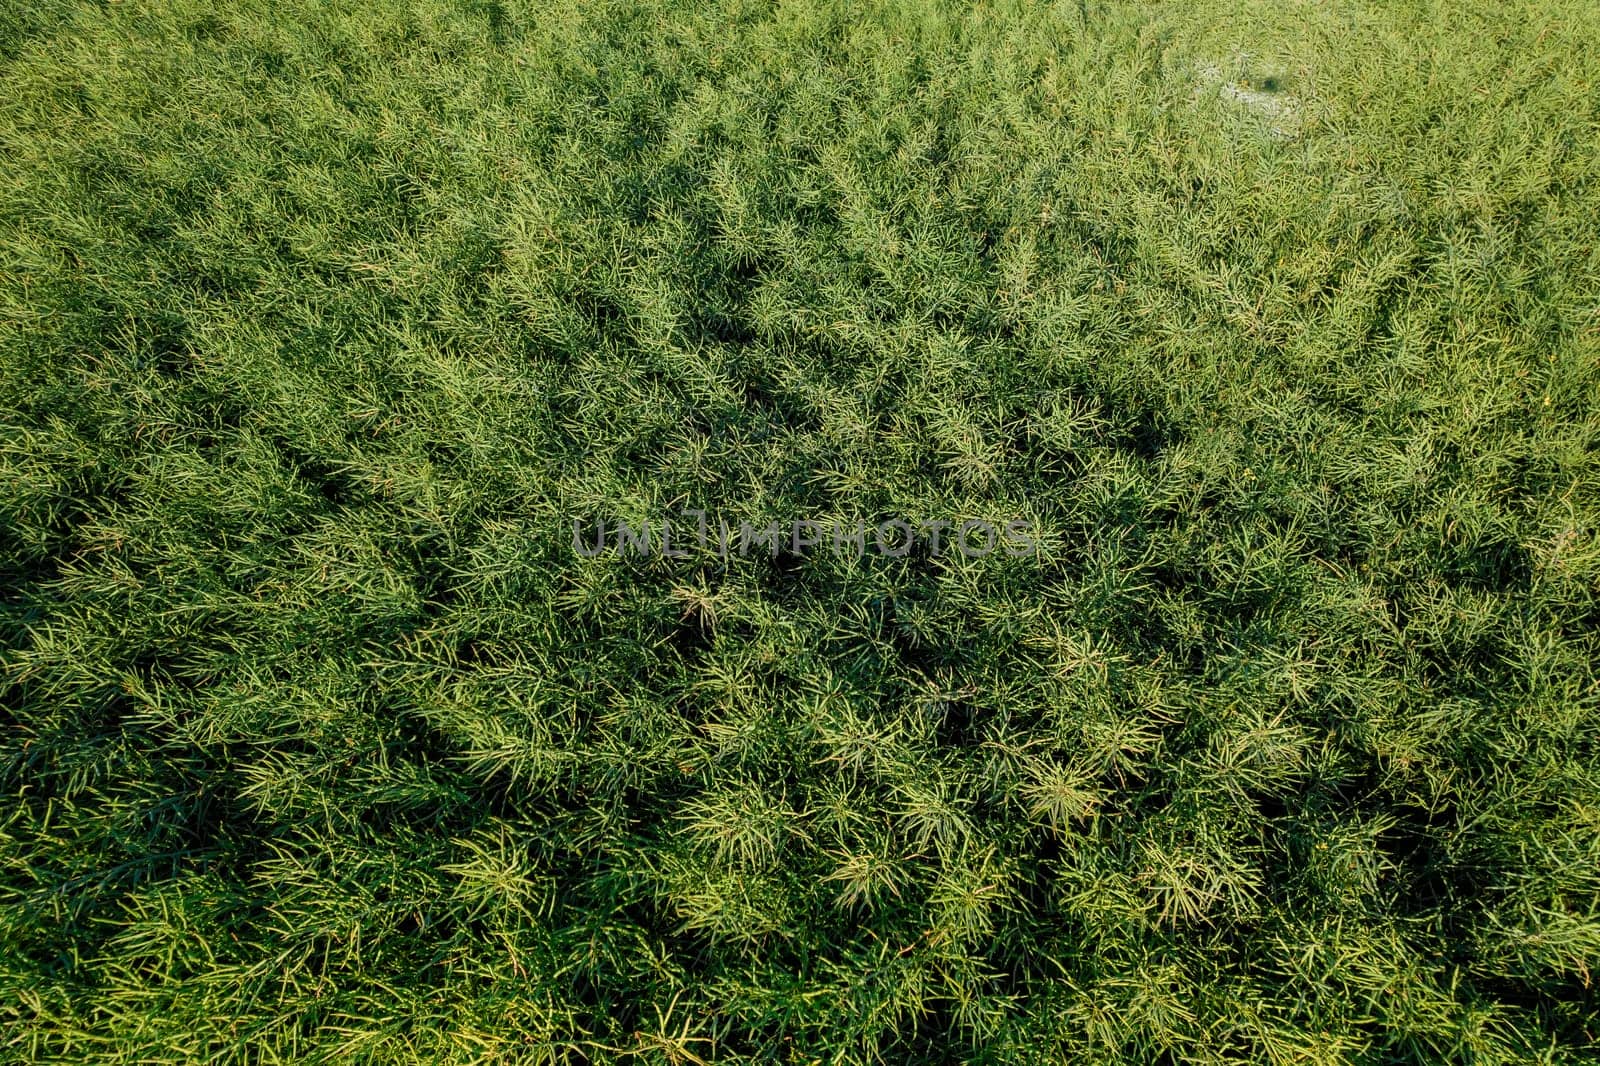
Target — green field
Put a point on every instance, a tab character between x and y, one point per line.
321	324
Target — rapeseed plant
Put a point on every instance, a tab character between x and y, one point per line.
322	323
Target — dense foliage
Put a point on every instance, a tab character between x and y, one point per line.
321	322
